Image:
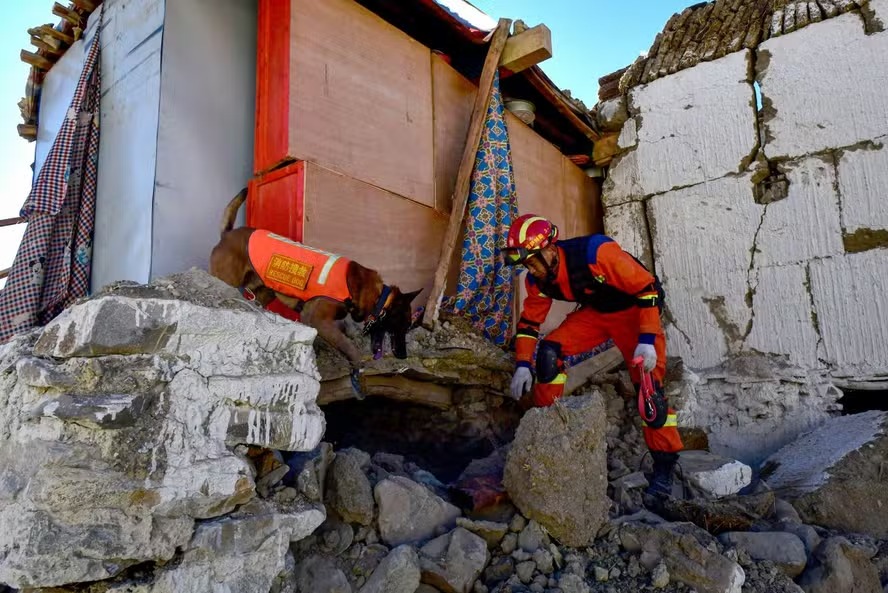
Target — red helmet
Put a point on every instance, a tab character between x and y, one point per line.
528	235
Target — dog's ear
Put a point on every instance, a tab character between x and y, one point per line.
409	296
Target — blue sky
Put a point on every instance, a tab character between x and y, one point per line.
590	38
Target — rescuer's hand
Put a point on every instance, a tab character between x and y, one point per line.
649	353
522	381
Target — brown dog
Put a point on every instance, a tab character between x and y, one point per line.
323	287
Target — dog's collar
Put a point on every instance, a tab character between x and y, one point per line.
380	309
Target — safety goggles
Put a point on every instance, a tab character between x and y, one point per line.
515	256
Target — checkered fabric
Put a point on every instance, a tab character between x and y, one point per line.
484	293
52	266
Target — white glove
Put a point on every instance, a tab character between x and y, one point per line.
649	353
522	381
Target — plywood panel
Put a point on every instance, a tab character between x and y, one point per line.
361	98
453	98
398	237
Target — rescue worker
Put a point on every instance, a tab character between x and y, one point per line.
619	299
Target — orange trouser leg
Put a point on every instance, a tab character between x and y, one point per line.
623	329
580	332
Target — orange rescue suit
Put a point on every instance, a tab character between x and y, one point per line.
297	270
619	300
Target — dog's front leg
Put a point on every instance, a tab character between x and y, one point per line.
328	328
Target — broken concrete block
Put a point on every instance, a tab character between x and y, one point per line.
399	571
556	469
839	566
348	489
714	475
863	177
626	224
628	137
717	222
409	512
785	550
833	474
805	225
453	562
687	552
783	324
490	531
611	114
802	114
696	125
848	295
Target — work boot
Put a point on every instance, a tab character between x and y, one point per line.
661	479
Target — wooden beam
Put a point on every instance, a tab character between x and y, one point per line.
48	48
27	131
605	362
605	149
546	88
12	221
467	164
67	14
35	60
527	49
5	273
395	387
49	31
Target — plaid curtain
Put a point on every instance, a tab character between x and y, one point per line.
484	292
52	266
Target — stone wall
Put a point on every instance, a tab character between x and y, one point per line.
755	184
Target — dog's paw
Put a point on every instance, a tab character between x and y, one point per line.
359	385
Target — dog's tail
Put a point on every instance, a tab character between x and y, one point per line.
231	211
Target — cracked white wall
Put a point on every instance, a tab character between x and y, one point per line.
799	282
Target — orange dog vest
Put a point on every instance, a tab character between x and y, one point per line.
297	270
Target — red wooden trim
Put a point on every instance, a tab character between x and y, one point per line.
272	84
276	201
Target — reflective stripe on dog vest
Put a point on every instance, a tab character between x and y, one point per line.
297	270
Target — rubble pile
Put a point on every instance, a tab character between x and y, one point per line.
168	438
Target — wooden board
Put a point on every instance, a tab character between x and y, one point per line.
275	201
452	98
398	237
360	98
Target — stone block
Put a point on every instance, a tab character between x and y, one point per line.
703	237
694	126
809	106
863	179
849	296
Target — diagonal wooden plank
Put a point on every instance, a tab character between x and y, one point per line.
464	175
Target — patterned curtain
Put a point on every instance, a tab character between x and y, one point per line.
52	266
485	289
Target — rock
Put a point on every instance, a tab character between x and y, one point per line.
832	475
348	489
479	587
531	537
409	513
544	561
806	533
127	441
499	570
525	571
321	575
571	583
398	572
491	531
601	574
556	468
660	577
687	552
244	551
785	512
714	475
612	114
308	471
840	567
510	543
631	481
518	523
453	562
785	550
